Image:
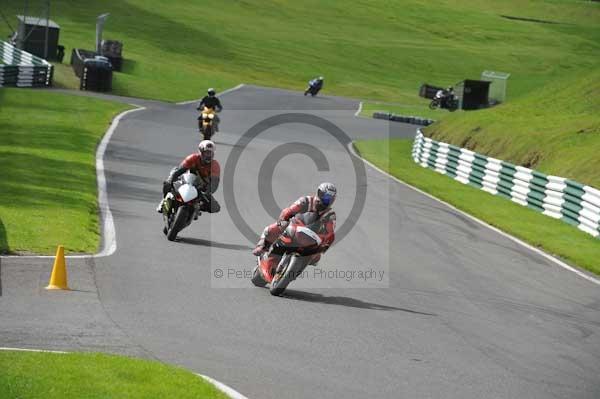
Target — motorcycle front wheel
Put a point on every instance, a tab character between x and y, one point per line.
207	133
295	268
179	222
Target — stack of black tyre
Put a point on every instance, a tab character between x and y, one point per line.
94	71
112	49
415	120
97	74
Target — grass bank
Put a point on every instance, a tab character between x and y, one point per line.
35	375
553	236
374	49
554	129
48	190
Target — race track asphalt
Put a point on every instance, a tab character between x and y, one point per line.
419	301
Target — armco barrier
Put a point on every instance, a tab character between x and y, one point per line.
21	69
415	120
560	198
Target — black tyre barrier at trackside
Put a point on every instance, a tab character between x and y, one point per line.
113	49
78	56
95	73
415	120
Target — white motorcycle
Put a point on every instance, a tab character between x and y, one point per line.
182	205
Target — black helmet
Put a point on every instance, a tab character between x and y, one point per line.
211	92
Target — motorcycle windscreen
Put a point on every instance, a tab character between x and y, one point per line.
305	237
187	192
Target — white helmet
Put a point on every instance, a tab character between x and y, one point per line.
206	148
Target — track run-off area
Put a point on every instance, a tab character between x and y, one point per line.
413	300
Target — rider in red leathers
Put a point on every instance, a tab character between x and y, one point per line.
321	204
205	167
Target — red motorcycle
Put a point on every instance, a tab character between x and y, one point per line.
298	245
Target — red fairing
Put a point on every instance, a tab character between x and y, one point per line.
272	232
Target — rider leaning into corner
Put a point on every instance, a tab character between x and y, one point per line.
210	100
321	204
317	83
203	164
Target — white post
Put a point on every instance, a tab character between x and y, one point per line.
99	26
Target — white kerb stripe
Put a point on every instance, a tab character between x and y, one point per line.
232	393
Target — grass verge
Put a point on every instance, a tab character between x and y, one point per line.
553	236
93	375
48	192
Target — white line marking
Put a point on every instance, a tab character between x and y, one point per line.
360	105
109	237
30	350
518	241
232	393
109	241
220	94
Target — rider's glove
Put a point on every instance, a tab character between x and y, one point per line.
282	224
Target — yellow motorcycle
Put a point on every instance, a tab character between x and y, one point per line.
207	122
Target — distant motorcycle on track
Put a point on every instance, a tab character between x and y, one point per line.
444	99
207	121
314	86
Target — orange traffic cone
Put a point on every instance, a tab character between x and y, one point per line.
58	279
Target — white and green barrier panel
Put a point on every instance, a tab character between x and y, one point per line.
22	69
560	198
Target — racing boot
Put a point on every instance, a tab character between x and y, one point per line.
159	208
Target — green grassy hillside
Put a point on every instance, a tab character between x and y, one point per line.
370	49
555	129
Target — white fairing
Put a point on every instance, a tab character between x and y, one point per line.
309	233
187	192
